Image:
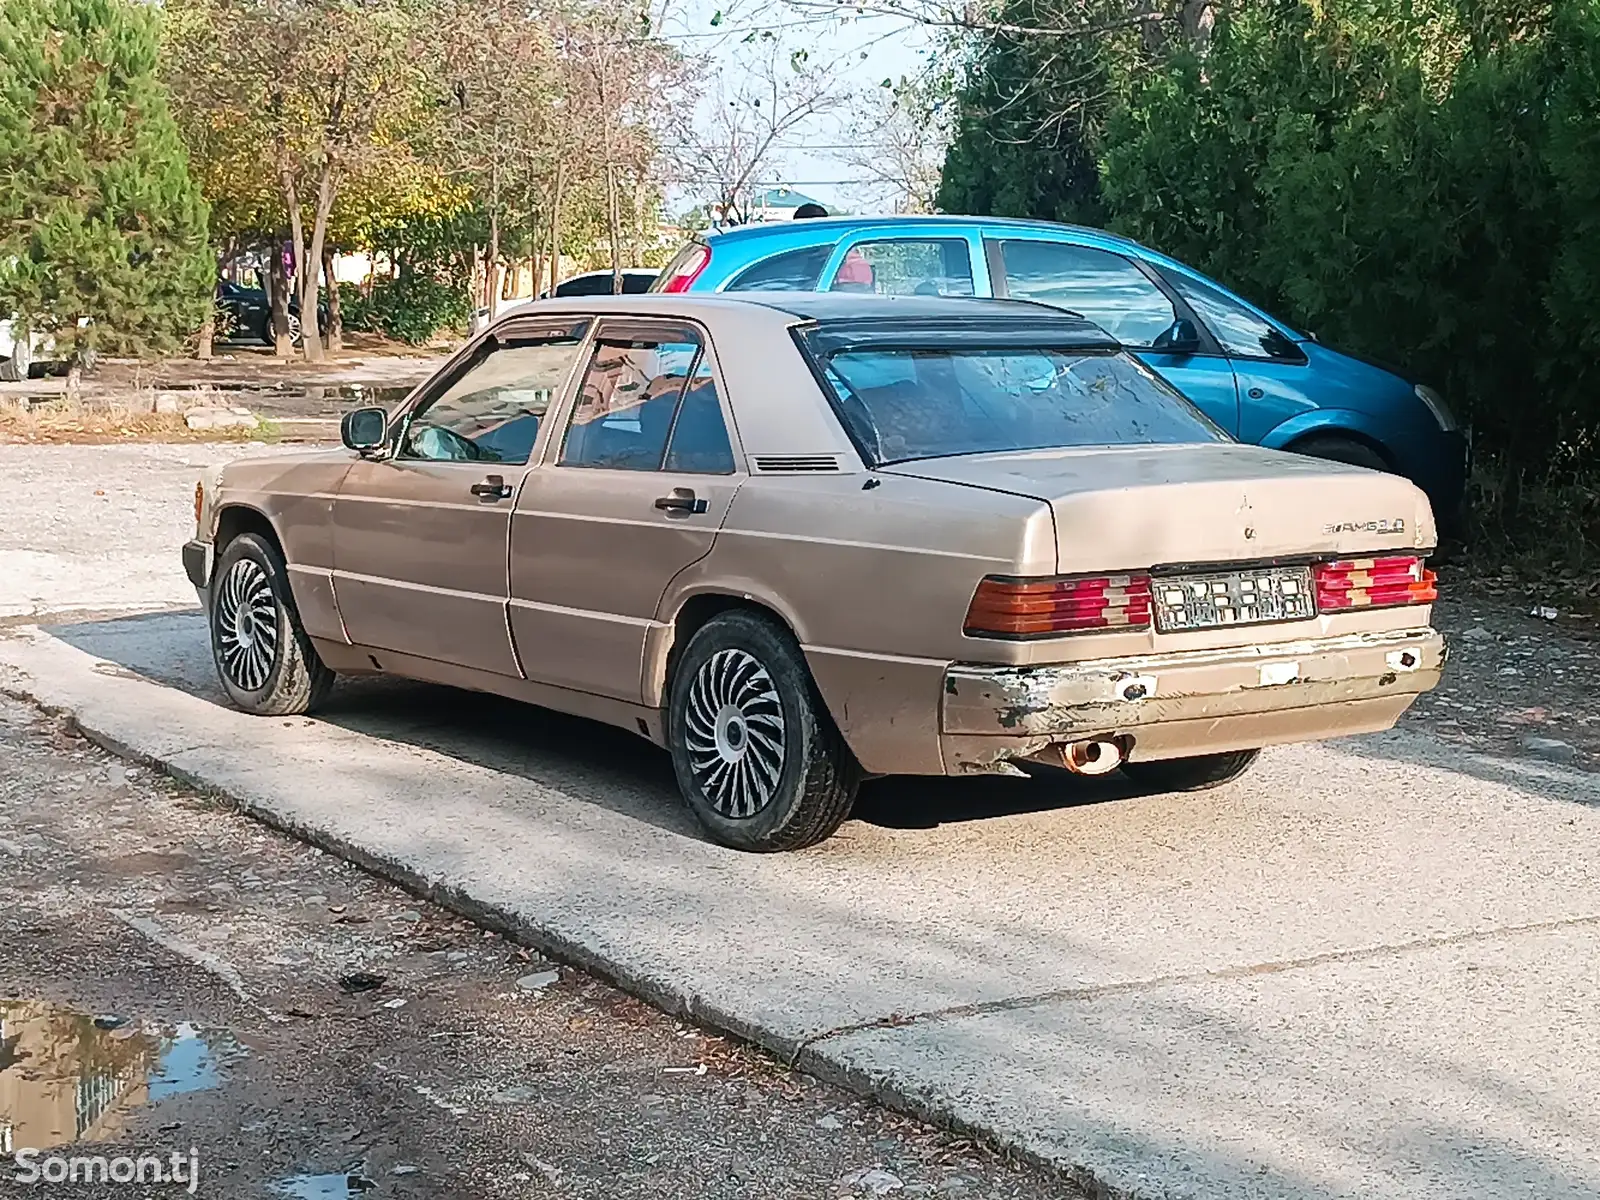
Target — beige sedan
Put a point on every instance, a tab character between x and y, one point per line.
804	540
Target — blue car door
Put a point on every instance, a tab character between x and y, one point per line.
1273	374
1119	295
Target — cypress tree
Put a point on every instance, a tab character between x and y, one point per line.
99	217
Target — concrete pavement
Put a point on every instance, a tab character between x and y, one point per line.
1365	970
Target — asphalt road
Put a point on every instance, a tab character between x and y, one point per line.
1364	970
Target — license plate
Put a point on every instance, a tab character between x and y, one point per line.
1252	597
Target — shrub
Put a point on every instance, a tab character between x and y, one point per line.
413	309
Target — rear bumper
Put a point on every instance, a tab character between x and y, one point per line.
1195	702
197	563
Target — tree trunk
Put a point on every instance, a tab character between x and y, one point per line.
491	272
310	293
297	234
208	333
614	220
335	315
555	227
1196	18
278	299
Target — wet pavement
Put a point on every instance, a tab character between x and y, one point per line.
176	978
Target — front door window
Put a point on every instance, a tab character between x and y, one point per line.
492	412
1102	287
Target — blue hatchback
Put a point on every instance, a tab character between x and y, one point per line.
1251	374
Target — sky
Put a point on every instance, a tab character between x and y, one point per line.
867	49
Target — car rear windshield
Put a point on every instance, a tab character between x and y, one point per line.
907	403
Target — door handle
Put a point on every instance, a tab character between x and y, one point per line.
493	487
681	500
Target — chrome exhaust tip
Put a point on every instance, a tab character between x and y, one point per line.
1092	757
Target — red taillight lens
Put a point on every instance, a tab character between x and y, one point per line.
1375	583
687	269
1044	607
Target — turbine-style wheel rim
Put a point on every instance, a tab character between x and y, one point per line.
735	734
294	329
247	625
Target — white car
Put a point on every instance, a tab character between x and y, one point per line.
17	356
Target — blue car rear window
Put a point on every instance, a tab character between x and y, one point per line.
791	271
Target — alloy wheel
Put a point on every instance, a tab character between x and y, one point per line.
247	625
734	733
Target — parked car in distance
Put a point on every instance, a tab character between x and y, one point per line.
635	281
18	350
34	354
1262	381
803	539
600	283
249	314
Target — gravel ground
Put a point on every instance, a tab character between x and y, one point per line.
215	949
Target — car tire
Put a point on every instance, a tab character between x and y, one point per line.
1343	450
1196	774
297	332
757	756
264	657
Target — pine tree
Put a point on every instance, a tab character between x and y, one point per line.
99	218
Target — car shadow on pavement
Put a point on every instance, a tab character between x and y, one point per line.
606	765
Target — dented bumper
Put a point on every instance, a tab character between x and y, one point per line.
1194	701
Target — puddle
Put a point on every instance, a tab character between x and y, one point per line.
69	1077
338	1186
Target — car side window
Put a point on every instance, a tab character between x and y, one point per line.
627	402
491	413
699	443
1238	330
907	267
791	271
1103	287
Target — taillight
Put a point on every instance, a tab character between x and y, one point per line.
687	269
1022	608
1375	583
199	500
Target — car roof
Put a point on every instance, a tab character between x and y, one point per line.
839	226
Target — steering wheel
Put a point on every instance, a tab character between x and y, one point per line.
438	444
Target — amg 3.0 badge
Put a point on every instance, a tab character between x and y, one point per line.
1393	526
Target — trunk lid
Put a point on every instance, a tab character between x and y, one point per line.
1137	507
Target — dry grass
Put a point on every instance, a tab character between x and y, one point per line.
100	423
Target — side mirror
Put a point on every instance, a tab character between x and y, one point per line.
364	429
1180	338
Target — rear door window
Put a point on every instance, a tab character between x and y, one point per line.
649	404
1103	287
791	271
906	267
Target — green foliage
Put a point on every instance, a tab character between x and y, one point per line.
1027	116
414	308
1416	180
99	219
